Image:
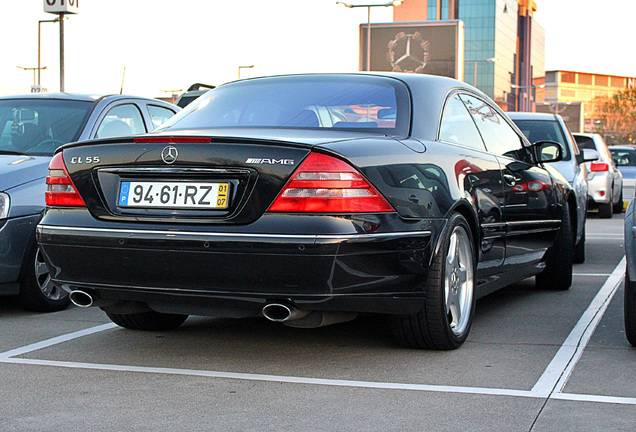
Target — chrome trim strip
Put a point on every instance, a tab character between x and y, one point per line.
239	235
541	222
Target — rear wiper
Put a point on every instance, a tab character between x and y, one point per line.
11	152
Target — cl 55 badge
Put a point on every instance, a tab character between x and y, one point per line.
84	160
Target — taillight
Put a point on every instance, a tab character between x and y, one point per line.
324	184
600	166
171	139
60	189
532	186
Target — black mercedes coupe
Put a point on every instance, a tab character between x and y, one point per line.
308	200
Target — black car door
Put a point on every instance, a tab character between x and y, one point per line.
477	173
529	209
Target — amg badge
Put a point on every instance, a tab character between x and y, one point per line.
270	161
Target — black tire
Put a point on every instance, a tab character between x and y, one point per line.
605	211
630	310
149	320
558	271
439	325
618	207
37	292
579	249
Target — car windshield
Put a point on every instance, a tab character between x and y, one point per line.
363	103
38	126
542	130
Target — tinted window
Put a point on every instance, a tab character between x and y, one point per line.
585	142
624	157
366	103
498	136
159	115
544	130
458	126
39	126
122	120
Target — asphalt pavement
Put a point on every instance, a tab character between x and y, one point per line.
536	360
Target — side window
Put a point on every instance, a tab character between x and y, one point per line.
122	120
458	126
159	115
499	137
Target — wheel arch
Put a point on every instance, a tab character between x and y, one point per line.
464	209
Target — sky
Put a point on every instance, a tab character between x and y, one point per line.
162	46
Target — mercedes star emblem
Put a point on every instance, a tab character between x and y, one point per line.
169	154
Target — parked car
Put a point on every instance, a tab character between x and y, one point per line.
624	157
604	180
630	274
31	128
248	203
551	127
193	92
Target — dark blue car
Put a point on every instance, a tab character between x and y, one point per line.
31	128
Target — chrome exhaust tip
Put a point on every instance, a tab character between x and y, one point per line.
81	299
279	312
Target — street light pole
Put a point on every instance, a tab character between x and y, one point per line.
243	67
40	44
490	60
369	6
526	98
61	53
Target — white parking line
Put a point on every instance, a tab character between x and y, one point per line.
54	341
549	385
558	371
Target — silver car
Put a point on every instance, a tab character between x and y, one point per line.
31	128
624	157
604	180
551	127
630	274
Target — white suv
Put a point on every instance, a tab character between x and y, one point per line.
604	180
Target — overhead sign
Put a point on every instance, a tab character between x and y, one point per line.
61	6
426	47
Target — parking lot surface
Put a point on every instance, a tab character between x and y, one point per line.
536	360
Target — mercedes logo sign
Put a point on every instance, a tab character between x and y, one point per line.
169	154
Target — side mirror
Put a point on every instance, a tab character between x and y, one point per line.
548	151
589	155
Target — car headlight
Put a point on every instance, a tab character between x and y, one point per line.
4	205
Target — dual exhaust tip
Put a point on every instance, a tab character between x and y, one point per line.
276	312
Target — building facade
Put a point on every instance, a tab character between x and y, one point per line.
504	48
566	88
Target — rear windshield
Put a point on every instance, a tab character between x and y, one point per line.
624	157
544	130
38	126
585	142
364	103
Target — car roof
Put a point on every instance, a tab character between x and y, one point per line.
622	147
585	134
66	96
76	97
518	115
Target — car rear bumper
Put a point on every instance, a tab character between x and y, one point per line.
16	238
599	188
352	271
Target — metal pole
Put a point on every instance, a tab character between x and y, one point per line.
368	38
62	53
39	27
